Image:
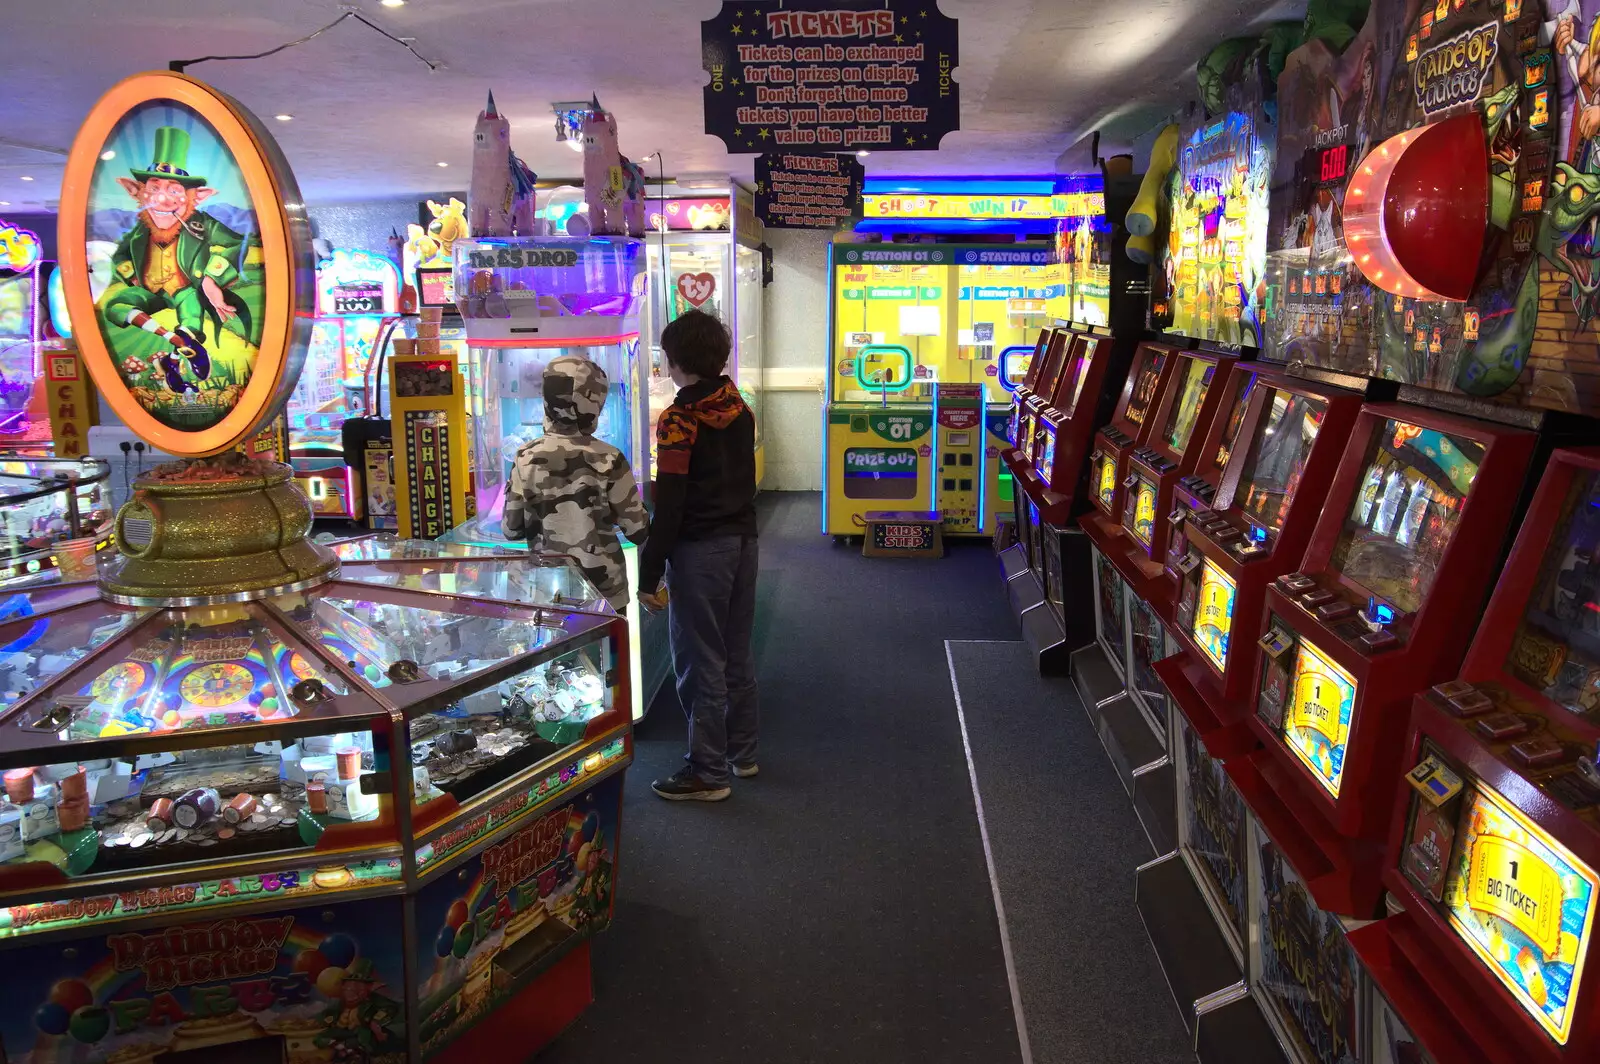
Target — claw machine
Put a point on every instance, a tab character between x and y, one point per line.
916	411
356	291
703	253
524	302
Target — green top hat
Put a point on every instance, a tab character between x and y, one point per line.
361	971
171	156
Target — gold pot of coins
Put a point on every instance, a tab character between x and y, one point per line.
214	530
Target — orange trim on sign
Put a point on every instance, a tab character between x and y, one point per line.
279	276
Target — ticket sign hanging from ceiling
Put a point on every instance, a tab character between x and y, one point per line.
797	191
830	75
198	334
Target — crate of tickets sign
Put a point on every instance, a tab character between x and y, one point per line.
903	534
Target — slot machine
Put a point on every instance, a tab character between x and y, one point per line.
1495	838
1383	603
1239	521
1131	422
1062	430
1185	414
1026	388
1030	408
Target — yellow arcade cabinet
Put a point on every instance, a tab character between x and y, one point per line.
916	407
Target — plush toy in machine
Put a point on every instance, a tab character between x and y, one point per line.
613	185
500	198
449	225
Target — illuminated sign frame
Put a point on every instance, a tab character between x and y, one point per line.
988	207
1212	576
1462	883
1312	661
287	275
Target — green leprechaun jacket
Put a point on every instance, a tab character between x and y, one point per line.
206	248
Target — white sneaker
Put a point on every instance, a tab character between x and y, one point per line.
745	772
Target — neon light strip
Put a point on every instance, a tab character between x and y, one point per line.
554	341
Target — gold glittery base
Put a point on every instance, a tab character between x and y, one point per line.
209	540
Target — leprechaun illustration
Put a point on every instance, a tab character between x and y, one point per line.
358	1023
176	257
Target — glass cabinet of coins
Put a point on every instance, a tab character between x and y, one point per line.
352	739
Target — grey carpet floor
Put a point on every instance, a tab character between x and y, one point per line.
1065	843
838	907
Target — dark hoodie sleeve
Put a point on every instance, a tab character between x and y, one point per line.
675	436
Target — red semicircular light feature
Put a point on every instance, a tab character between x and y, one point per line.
1416	212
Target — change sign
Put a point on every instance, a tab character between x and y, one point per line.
830	75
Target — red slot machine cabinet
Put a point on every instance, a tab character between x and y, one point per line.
1038	401
1495	842
1062	432
1240	521
1018	429
1054	344
1149	377
1172	451
1385	602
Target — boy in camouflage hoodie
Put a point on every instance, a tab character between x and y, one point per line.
569	492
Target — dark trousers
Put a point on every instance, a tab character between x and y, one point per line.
711	614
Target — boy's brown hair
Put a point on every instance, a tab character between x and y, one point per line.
697	343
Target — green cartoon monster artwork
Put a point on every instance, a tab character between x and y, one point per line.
1575	199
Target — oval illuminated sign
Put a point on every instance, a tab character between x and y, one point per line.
200	327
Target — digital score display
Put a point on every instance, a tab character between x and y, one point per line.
1316	725
1143	508
1334	163
1213	621
1105	487
1524	904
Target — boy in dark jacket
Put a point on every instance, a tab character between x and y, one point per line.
703	536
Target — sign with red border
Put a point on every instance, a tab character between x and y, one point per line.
200	332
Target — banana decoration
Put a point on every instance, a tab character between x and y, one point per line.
1145	215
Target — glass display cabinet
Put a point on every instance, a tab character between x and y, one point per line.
432	715
54	513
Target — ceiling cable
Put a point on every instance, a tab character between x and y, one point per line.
178	65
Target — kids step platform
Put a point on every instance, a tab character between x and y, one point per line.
903	534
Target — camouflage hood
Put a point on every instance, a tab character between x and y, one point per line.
574	394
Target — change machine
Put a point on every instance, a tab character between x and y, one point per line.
917	406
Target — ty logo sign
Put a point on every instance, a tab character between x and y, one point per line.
696	288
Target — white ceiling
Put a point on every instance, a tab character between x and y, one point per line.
370	121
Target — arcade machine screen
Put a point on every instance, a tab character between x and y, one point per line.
1409	499
1144	389
1195	380
1405	512
1143	393
1082	360
355	290
1276	461
1523	903
1213	617
1556	649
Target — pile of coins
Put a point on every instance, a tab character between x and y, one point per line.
125	823
449	756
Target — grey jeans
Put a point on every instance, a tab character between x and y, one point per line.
711	613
